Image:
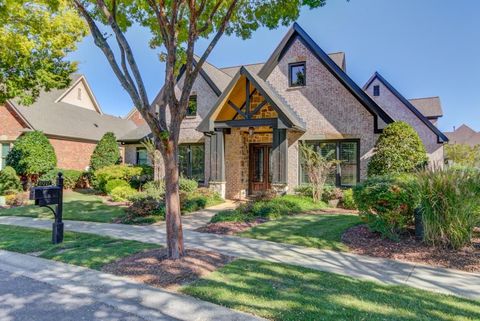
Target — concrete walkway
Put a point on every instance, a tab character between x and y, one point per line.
198	219
363	267
78	293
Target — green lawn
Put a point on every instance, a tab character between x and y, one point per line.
87	250
284	292
77	207
323	231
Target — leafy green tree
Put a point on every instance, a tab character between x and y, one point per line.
399	149
35	37
463	154
175	27
32	155
106	152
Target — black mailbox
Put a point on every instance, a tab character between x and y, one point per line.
51	195
45	195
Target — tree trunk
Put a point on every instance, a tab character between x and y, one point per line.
175	245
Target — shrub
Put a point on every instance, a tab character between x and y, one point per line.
108	173
305	190
15	199
9	180
331	193
122	193
348	200
71	178
187	185
114	183
399	149
32	155
272	209
387	203
450	206
106	152
155	189
143	205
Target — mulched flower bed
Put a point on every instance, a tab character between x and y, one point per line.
362	241
153	267
229	228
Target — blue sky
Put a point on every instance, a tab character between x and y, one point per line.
422	47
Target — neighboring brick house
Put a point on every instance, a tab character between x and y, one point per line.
243	130
464	135
71	118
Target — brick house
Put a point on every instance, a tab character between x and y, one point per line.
71	119
244	123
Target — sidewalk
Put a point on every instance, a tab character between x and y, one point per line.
363	267
119	298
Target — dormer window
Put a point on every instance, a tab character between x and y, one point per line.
297	76
192	106
79	93
376	90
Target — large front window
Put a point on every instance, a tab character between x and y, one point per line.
5	149
347	171
191	161
142	156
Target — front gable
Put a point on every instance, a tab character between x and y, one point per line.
79	94
401	109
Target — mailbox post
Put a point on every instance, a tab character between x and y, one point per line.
44	196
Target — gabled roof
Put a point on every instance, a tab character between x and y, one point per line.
441	136
464	135
430	107
296	32
56	118
76	79
281	107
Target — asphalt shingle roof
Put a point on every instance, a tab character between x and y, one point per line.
430	107
464	135
66	120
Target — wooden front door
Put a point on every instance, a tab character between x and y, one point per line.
259	168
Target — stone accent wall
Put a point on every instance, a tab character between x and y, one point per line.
395	108
11	126
72	154
237	148
329	110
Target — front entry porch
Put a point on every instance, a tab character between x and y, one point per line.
247	132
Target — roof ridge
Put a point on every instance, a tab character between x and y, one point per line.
244	65
428	97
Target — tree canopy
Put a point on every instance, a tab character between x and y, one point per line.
35	37
399	149
175	27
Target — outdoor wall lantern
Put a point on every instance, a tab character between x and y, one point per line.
251	131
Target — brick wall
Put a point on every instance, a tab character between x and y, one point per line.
72	154
137	118
395	108
11	126
329	110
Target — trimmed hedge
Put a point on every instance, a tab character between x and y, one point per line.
268	209
106	152
9	180
387	203
123	193
32	155
399	149
71	178
123	172
114	183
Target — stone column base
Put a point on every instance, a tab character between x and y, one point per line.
279	189
219	187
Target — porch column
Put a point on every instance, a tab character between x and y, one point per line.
217	162
279	160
